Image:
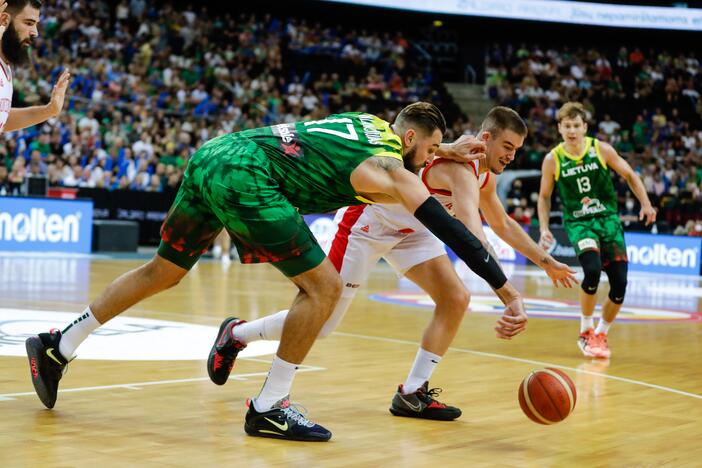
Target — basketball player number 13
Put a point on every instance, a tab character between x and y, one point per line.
583	184
318	126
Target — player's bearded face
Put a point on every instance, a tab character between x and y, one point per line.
422	150
409	159
14	48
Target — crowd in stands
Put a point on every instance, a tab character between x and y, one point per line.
646	103
151	83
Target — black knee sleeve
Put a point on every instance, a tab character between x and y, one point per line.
592	267
617	273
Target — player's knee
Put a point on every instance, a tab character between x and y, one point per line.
592	267
617	274
456	302
162	274
333	289
461	301
326	293
591	281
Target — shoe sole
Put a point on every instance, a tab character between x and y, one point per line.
213	351
412	414
34	348
253	433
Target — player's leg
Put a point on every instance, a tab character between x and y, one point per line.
587	248
592	267
616	266
266	228
187	232
434	273
270	413
352	251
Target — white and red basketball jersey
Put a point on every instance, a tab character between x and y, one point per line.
5	93
365	233
396	214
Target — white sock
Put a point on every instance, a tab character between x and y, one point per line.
75	333
277	385
269	327
423	367
586	322
603	327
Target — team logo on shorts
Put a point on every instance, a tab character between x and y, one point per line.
585	244
289	140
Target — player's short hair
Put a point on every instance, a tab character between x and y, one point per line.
424	115
15	6
502	118
571	110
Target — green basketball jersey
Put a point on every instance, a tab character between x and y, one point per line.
312	161
584	183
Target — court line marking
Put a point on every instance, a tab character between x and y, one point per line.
139	385
528	361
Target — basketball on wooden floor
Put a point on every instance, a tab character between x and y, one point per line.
547	396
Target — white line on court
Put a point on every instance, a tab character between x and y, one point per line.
528	361
139	385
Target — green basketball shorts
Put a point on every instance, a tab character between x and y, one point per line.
228	185
602	233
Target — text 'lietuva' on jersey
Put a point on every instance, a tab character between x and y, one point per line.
584	183
306	156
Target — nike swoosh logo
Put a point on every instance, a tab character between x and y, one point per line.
50	353
282	427
487	259
414	407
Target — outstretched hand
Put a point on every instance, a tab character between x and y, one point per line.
3	6
58	94
513	320
560	273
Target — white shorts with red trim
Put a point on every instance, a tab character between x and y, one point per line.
367	233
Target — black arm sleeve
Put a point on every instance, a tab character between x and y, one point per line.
468	247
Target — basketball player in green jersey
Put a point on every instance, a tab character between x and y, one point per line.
256	184
579	167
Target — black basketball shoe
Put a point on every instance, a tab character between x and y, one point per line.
283	421
422	404
224	352
46	364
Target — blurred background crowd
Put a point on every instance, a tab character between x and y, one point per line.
152	82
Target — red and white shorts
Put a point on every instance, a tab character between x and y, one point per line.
367	233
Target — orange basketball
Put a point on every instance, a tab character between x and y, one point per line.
547	396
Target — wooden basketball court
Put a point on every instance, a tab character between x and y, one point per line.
641	408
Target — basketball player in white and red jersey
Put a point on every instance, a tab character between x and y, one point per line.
18	28
366	233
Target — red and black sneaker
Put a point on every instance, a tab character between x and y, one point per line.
422	404
46	365
224	352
